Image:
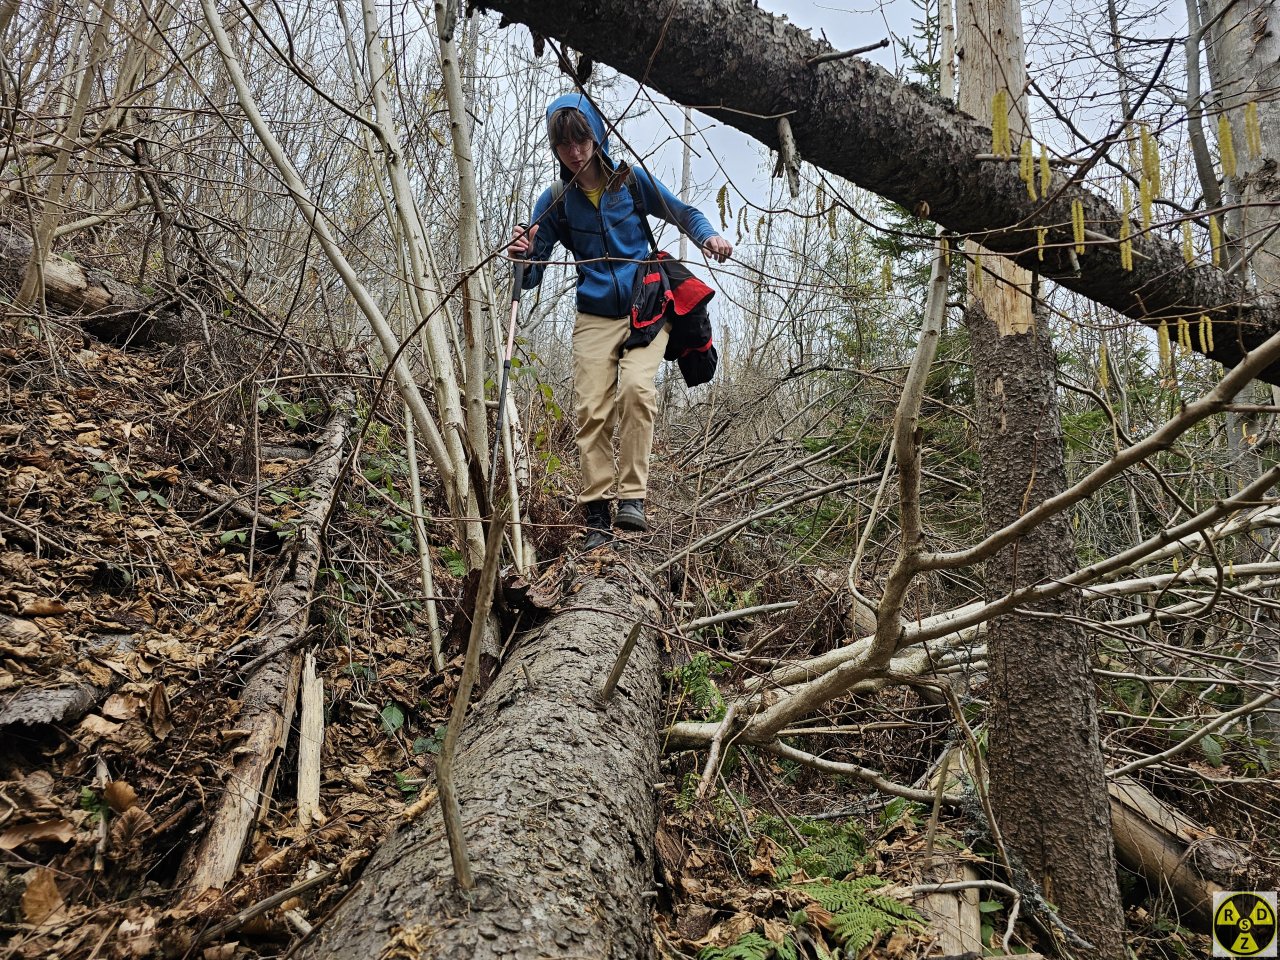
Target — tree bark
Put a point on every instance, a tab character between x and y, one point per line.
267	702
104	307
745	67
1048	786
556	791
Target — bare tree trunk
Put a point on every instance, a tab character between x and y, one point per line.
1048	787
556	791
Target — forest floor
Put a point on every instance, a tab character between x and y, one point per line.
131	562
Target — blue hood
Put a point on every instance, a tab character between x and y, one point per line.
596	122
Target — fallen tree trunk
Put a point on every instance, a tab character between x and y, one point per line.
268	698
34	706
558	809
103	306
854	119
1171	851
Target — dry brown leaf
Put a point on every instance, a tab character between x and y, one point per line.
120	796
130	831
137	937
41	900
900	945
43	607
121	706
52	831
158	711
18	638
94	727
38	786
776	930
765	858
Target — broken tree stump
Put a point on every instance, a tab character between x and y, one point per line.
556	791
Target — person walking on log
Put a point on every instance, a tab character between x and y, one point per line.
592	212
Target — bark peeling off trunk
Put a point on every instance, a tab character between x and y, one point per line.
1048	786
557	805
104	307
746	67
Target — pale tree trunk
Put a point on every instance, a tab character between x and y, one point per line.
473	303
1048	781
1244	59
989	49
1245	50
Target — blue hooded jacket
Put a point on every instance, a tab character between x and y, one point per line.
608	242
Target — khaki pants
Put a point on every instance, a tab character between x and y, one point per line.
614	392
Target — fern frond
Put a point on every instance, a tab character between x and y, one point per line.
749	946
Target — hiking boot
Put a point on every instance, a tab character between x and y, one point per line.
599	528
630	516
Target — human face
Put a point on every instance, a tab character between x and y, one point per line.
576	156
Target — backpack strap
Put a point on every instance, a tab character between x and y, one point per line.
562	221
637	198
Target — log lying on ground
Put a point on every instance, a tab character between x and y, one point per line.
268	698
558	807
35	706
1170	850
104	307
747	68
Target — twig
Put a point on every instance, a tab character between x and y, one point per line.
844	54
778	748
728	615
471	667
620	664
262	906
713	757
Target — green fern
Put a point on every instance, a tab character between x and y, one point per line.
753	946
859	914
699	689
834	850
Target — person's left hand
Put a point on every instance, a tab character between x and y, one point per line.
718	248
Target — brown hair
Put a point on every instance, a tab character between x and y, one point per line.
569	125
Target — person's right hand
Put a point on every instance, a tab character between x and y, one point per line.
521	242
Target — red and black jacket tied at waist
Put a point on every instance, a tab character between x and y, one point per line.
665	289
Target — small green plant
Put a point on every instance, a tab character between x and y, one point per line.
93	801
858	913
834	849
453	561
111	486
293	412
698	688
431	744
407	784
392	718
752	946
